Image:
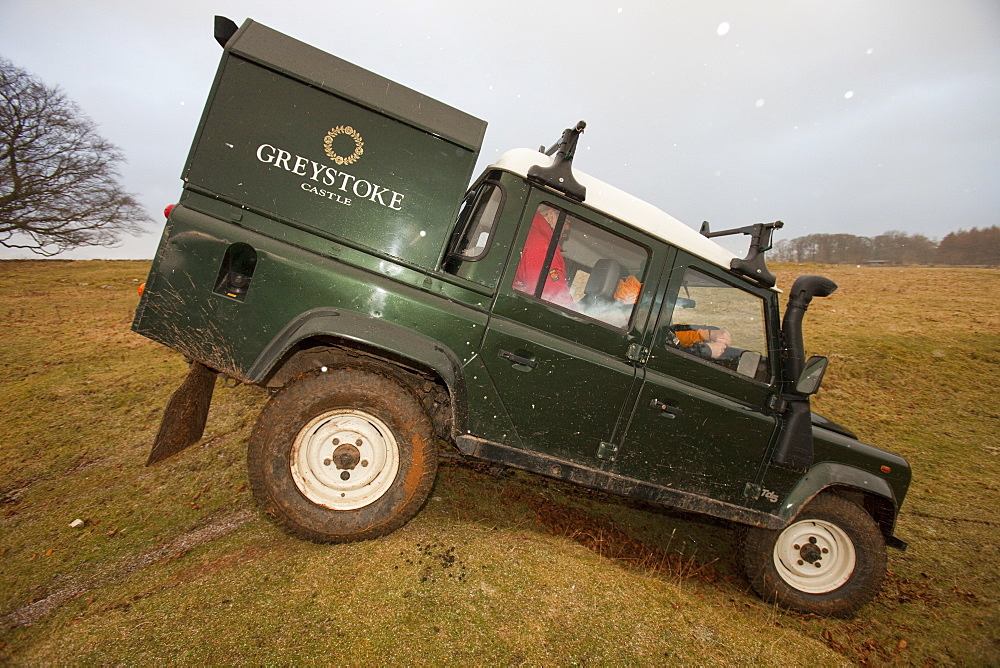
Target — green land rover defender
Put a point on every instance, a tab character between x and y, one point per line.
326	246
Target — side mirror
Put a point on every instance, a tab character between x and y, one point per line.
748	364
684	302
812	375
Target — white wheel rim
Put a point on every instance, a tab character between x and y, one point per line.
344	459
814	556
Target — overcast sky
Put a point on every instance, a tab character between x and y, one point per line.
855	116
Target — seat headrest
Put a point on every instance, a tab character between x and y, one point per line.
603	279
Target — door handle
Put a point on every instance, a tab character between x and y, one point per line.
518	360
666	410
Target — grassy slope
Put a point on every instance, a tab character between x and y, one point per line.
173	562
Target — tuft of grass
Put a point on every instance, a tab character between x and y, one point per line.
173	563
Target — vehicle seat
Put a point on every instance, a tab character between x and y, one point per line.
603	281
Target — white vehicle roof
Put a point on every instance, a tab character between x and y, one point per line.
627	208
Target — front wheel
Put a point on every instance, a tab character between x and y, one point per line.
829	561
342	455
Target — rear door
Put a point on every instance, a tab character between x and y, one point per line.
703	419
561	347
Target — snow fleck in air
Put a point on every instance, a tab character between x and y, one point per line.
759	103
848	95
723	29
619	10
870	51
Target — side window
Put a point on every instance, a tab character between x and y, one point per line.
719	323
579	266
475	224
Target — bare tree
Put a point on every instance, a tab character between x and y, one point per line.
59	179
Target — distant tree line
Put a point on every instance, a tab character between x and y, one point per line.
975	247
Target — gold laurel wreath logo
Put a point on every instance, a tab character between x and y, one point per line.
359	145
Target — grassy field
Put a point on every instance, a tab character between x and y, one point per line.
173	563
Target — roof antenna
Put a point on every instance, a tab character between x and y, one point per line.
559	175
224	30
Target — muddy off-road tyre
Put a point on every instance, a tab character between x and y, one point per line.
343	455
830	561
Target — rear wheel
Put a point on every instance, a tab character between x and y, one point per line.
829	561
343	455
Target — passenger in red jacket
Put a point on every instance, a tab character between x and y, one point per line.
536	247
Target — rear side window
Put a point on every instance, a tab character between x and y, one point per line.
571	263
476	223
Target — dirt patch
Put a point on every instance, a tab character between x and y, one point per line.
224	563
611	541
12	493
602	536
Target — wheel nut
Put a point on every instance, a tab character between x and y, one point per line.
327	462
364	462
346	475
817	565
336	441
359	442
800	562
825	550
797	547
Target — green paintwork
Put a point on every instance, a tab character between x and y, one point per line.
531	384
718	441
181	309
262	145
840	461
573	399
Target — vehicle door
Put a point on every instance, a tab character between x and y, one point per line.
703	419
571	305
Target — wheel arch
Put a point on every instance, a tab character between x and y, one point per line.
335	337
867	490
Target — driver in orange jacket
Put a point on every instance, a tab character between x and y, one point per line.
702	340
